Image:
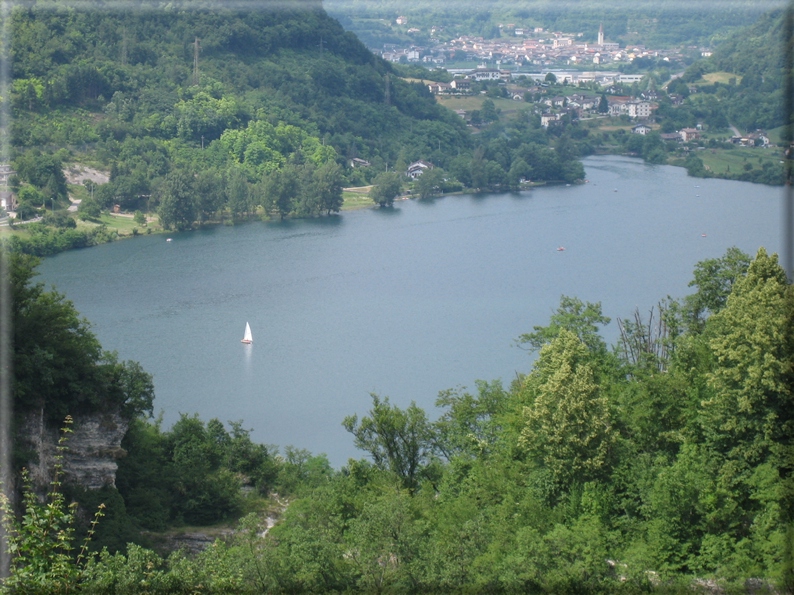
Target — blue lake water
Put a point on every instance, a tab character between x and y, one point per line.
403	302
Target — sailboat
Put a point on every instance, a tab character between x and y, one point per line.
247	338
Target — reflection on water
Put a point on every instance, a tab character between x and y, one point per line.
248	350
405	301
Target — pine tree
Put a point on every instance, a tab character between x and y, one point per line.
568	425
750	409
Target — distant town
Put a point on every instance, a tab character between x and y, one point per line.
534	48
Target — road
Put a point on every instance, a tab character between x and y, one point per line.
673	77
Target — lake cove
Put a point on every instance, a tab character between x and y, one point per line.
403	302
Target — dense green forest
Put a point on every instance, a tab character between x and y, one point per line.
756	56
660	464
266	105
655	24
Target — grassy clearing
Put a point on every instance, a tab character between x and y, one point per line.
356	198
776	135
719	77
474	102
122	224
78	191
467	103
461	65
734	161
508	106
613	127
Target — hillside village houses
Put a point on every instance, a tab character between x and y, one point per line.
633	108
753	139
689	134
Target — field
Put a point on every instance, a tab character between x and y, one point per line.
733	161
720	77
610	124
776	135
356	198
474	102
122	223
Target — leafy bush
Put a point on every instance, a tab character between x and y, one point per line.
41	541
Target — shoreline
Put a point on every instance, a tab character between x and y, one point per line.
94	234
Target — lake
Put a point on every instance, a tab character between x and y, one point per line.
403	302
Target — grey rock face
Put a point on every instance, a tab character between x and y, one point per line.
92	449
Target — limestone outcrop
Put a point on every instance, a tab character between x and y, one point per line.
92	449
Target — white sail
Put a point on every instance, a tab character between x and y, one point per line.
247	338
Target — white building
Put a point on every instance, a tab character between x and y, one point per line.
460	84
485	74
638	109
630	78
417	168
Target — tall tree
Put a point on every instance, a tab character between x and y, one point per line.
386	187
752	405
177	195
714	279
568	424
519	169
43	171
489	112
398	440
470	426
603	104
282	187
574	315
210	194
430	182
238	192
327	185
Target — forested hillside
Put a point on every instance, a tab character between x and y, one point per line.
662	464
157	96
756	56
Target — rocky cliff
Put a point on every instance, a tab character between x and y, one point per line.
92	449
